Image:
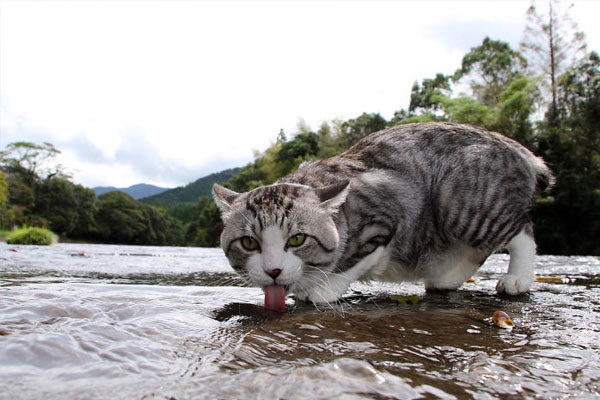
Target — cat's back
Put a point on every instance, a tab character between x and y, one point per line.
431	144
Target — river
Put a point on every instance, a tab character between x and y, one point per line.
125	322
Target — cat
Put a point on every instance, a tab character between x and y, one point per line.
426	201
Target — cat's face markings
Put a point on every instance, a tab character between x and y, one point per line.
273	233
274	255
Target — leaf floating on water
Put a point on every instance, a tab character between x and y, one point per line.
502	320
550	279
471	280
414	299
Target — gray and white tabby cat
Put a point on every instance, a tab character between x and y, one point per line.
414	202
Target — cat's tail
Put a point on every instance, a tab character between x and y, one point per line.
544	179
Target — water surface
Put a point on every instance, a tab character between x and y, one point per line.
123	322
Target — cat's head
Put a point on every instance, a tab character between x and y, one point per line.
281	234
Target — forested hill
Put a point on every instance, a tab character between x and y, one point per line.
138	191
192	191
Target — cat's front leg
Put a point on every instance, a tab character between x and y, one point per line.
328	287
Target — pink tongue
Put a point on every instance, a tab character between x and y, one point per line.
275	298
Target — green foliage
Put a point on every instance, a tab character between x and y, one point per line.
5	215
3	190
355	129
191	192
56	201
466	110
122	219
494	66
28	160
302	147
426	96
514	109
570	224
20	193
32	236
86	211
205	231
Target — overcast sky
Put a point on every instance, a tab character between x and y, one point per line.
165	92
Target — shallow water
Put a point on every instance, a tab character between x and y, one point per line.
112	322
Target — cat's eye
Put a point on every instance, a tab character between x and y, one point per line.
249	243
296	240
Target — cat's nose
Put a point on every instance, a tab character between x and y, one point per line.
273	273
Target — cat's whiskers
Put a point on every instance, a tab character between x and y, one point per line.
323	285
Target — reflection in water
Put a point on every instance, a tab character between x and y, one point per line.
131	322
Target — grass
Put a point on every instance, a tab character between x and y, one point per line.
32	235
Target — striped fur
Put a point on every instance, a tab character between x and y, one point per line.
437	198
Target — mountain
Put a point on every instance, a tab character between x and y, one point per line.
138	191
192	191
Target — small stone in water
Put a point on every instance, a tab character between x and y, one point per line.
502	320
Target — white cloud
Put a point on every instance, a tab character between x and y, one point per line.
166	91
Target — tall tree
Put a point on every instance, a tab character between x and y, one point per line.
426	96
86	209
552	43
31	161
570	224
5	215
492	66
56	202
355	129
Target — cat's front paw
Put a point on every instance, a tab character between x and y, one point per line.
514	284
319	295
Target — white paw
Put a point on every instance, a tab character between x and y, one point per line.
320	294
514	284
324	295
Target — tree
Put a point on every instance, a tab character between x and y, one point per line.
19	193
514	109
426	96
494	65
56	203
86	210
205	231
30	161
569	222
5	214
552	43
120	218
302	147
162	229
355	129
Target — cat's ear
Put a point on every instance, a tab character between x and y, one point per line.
223	197
333	196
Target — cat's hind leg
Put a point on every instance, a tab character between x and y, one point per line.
453	267
520	274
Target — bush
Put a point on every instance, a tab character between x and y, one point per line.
31	235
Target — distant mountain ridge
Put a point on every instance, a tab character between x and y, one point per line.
192	191
138	191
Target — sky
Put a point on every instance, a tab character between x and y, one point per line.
166	92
